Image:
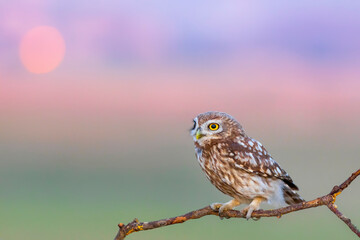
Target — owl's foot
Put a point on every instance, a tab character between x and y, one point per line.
223	211
223	208
254	205
216	206
247	212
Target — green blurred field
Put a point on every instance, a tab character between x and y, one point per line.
74	204
55	191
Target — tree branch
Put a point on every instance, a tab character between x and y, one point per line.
328	200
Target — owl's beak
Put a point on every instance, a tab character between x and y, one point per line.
198	134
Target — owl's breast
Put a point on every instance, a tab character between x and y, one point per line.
232	181
213	168
204	159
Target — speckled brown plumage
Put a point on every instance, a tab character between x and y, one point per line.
238	165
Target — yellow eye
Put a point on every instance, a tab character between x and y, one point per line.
213	126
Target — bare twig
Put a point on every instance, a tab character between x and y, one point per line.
346	220
328	200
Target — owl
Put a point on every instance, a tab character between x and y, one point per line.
239	166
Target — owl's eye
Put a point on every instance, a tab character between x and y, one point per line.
193	125
213	126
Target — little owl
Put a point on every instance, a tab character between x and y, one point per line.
239	166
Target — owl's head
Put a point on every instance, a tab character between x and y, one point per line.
210	127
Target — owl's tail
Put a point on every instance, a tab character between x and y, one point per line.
291	197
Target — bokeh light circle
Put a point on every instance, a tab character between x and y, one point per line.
42	49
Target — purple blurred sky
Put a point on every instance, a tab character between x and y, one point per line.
285	61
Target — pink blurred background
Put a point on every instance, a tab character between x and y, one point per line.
296	63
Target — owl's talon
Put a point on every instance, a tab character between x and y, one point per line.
244	211
254	205
248	215
223	213
247	212
227	216
219	207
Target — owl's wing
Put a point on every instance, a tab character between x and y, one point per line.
251	156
